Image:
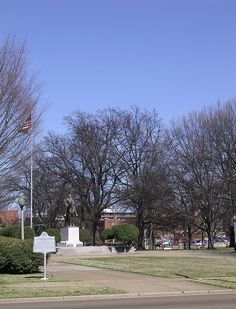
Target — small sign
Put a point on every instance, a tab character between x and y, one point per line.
44	243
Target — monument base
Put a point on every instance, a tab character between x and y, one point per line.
70	237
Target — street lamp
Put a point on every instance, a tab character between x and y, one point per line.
21	203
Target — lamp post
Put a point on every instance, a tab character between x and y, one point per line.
21	203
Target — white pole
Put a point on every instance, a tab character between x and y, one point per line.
22	224
31	179
44	266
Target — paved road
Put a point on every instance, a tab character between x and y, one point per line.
223	301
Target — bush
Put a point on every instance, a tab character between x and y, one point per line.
14	231
54	232
17	257
84	236
107	234
126	233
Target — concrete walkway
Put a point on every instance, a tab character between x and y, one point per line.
129	282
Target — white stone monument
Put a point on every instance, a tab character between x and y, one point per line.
70	236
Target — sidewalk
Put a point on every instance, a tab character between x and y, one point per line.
130	282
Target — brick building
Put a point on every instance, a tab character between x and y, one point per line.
110	218
8	217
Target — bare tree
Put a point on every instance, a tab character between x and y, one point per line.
196	172
113	158
86	160
139	148
223	134
18	101
49	192
150	193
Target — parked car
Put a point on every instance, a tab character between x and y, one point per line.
197	244
167	245
221	242
158	244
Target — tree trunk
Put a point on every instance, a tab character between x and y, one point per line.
94	231
140	226
210	237
140	244
189	237
151	237
231	235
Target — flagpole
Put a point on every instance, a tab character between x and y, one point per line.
31	178
26	126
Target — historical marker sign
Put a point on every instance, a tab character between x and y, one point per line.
44	243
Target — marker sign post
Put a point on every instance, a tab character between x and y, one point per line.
44	244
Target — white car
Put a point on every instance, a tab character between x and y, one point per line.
167	245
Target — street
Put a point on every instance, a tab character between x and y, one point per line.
209	301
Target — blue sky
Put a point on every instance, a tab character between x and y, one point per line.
172	55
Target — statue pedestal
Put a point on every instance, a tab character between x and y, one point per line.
70	236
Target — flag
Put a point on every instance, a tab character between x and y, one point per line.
26	125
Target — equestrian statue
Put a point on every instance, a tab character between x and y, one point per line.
70	213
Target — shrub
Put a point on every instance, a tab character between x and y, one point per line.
17	257
107	234
28	232
126	233
84	236
54	232
14	231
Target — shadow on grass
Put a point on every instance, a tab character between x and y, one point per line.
33	277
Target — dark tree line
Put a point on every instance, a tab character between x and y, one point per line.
203	153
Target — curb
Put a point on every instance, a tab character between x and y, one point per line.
116	296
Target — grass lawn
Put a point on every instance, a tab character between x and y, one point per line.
216	267
27	286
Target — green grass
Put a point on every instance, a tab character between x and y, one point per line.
216	267
190	266
229	283
27	286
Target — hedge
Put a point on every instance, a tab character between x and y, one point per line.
125	233
17	257
84	236
54	232
107	234
15	231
